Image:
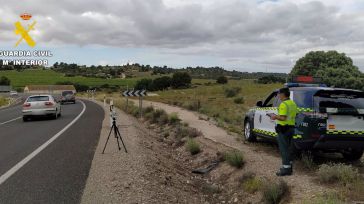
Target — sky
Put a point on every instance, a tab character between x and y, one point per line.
245	35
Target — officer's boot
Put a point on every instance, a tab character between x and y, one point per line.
284	171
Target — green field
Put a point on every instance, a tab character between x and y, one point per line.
210	98
49	77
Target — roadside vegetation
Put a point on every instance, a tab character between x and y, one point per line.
235	158
3	101
337	173
274	192
225	103
345	178
251	183
50	77
192	146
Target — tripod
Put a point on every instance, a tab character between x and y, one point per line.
117	135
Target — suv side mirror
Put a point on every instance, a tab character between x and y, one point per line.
259	103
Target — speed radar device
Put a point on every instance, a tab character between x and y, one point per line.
114	129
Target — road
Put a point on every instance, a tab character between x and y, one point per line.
47	161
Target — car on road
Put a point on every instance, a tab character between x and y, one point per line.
41	105
68	97
13	93
329	119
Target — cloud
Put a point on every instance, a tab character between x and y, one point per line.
258	33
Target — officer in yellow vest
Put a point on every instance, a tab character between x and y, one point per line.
286	119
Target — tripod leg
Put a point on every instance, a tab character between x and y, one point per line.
107	140
117	129
116	136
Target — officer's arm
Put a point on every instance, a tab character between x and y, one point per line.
281	117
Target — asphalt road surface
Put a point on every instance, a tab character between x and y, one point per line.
47	161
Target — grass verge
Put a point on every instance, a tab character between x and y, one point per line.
337	173
192	146
274	192
3	101
235	158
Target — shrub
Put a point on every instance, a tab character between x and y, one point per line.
192	146
251	183
148	109
307	161
181	132
181	80
4	80
163	119
222	80
231	92
146	84
193	106
273	192
174	119
239	100
157	114
3	101
332	173
161	83
235	158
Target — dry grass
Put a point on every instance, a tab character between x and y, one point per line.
235	158
274	192
209	98
251	183
193	146
308	162
3	101
337	173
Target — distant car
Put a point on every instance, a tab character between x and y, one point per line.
13	93
68	97
41	105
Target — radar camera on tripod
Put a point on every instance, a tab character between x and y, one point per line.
114	128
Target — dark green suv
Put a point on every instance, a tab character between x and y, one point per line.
329	119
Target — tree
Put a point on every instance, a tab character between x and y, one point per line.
222	80
146	84
335	69
181	80
270	79
4	81
161	83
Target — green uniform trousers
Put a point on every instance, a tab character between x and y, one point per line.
284	143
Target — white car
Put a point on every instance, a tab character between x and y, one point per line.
13	93
41	105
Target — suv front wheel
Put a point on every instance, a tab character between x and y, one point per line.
352	155
248	132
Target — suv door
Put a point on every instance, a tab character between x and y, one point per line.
262	123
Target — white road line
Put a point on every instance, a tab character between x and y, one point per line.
19	165
9	121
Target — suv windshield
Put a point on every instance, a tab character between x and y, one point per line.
38	98
65	93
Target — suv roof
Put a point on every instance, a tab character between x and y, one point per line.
320	88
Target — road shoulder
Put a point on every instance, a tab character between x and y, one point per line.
146	174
